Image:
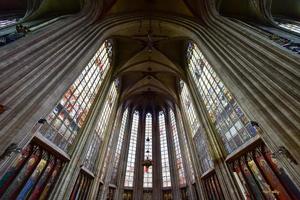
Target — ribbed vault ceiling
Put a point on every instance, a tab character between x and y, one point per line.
149	56
149	59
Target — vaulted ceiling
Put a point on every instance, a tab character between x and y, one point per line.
149	56
149	59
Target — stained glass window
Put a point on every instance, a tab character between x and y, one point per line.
120	143
166	176
178	162
148	151
198	132
190	110
132	151
189	161
102	123
201	147
68	117
107	156
230	121
289	26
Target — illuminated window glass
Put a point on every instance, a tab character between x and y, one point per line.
189	161
119	144
179	163
103	172
68	117
230	121
132	151
292	27
148	151
166	176
202	152
100	129
190	110
8	21
198	132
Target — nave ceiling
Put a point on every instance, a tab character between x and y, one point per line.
149	56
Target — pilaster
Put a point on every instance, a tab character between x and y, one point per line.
172	158
157	176
114	128
123	157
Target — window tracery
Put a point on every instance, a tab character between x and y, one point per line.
190	110
179	162
120	144
166	175
198	132
130	167
69	115
100	129
231	123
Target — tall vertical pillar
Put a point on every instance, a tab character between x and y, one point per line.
172	159
188	164
183	124
227	183
114	140
121	172
139	170
157	177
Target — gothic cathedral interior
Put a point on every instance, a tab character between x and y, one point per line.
150	99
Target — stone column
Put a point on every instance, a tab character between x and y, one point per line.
139	158
70	172
185	142
157	176
116	119
37	70
264	79
227	183
184	127
172	158
123	156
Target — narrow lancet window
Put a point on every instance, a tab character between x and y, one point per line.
166	176
190	110
197	131
148	151
120	144
100	129
132	151
68	117
230	121
179	163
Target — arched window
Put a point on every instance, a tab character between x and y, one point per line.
230	121
148	151
69	115
120	144
101	127
197	130
190	110
179	163
132	151
166	176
